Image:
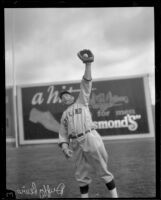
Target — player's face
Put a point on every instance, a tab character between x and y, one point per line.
67	99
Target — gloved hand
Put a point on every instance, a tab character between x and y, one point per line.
86	56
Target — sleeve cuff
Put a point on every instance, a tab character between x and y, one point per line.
60	144
86	79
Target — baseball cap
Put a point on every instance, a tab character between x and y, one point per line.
63	92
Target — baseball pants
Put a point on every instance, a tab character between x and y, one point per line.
90	152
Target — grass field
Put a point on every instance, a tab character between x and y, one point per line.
44	167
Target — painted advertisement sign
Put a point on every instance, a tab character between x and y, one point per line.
118	108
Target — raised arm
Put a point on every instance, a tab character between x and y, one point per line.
86	84
87	73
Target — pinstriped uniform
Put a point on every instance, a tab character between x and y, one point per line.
89	149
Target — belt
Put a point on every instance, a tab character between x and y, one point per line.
80	134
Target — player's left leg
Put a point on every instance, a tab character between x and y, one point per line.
98	158
112	188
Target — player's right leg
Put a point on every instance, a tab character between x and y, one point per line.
84	191
82	172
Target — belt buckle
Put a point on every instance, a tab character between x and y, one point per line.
72	136
79	135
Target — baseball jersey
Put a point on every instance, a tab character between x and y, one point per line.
77	117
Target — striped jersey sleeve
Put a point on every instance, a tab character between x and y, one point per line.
63	134
85	91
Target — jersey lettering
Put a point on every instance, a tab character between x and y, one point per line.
71	114
78	111
66	122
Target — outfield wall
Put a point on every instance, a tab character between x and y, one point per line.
120	108
10	128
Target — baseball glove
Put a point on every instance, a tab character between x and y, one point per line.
86	56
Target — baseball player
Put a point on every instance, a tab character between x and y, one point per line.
78	137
